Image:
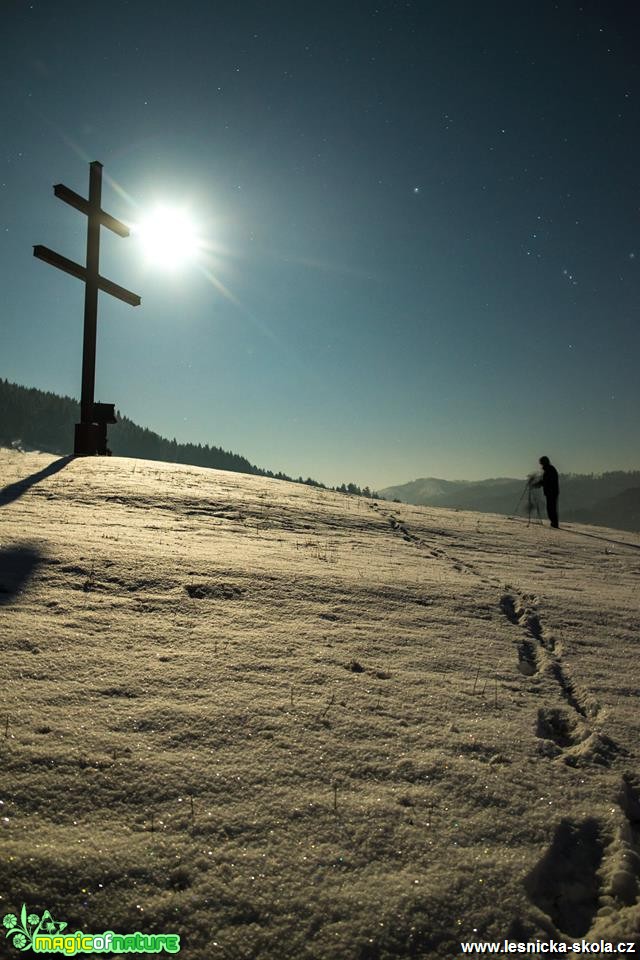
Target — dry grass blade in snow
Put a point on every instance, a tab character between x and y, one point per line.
286	723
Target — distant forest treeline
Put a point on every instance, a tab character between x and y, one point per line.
45	421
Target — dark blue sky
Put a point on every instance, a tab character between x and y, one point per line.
426	215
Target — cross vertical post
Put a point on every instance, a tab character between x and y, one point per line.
91	433
91	294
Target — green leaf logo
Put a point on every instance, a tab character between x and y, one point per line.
21	930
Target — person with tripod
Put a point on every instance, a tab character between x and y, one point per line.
551	489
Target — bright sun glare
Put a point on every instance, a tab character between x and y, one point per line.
169	237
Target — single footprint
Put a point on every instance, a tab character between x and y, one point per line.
565	883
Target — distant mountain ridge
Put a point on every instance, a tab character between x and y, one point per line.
427	489
496	495
609	499
621	511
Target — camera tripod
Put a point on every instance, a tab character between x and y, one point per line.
533	501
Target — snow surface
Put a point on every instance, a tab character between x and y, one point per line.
287	723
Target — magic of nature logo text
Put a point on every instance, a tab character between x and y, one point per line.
43	934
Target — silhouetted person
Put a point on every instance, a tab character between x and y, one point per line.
551	488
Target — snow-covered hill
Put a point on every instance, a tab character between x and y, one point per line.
286	723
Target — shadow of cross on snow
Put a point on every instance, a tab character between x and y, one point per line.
16	568
15	490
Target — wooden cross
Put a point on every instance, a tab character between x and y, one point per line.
91	432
